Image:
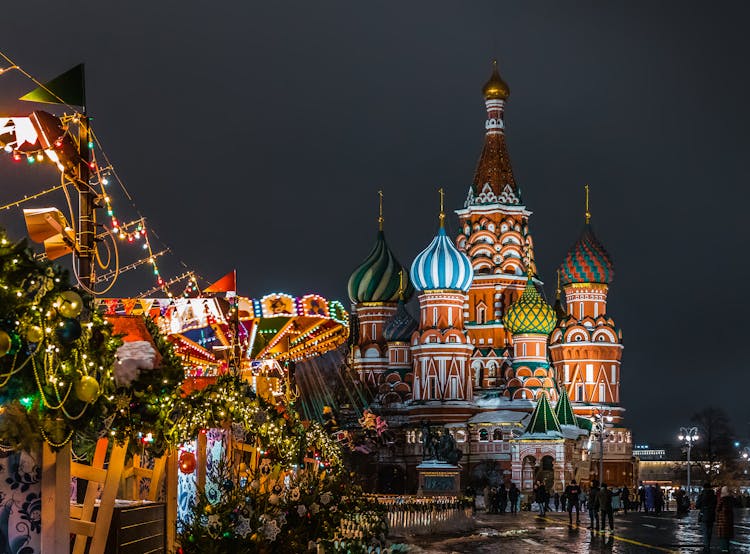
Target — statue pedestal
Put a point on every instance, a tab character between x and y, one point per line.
438	478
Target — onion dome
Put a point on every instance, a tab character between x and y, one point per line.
530	313
401	326
587	261
495	88
442	266
377	279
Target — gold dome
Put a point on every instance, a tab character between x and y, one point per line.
495	88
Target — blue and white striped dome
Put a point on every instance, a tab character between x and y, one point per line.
442	266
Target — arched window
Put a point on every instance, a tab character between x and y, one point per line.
483	435
497	435
481	315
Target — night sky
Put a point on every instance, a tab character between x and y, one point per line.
256	137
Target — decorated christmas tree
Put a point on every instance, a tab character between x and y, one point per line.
289	492
59	365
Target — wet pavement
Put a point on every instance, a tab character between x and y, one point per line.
634	533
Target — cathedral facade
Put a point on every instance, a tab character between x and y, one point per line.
529	391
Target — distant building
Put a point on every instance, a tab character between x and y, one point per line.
516	380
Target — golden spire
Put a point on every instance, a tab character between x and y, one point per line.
380	216
557	291
401	284
588	213
495	88
442	211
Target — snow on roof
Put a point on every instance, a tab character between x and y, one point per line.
499	416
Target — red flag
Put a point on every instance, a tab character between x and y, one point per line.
228	283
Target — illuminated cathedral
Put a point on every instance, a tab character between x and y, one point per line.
518	382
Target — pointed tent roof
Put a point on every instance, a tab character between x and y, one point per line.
564	411
494	167
543	419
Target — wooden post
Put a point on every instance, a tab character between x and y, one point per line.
200	455
172	479
55	500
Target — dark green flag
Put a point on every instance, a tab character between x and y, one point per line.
67	88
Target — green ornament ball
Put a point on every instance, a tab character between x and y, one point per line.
87	389
5	343
68	331
34	333
226	534
69	304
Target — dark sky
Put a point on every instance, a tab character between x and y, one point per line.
255	134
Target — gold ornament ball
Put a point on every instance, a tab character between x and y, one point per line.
34	334
69	304
5	343
87	389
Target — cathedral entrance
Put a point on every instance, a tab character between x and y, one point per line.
546	473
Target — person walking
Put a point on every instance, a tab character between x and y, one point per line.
502	495
513	493
658	500
573	500
642	498
605	507
541	499
706	503
593	503
625	496
556	501
725	518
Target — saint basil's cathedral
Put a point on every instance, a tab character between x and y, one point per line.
518	383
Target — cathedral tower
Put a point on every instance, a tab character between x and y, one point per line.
374	290
586	345
530	320
494	235
441	347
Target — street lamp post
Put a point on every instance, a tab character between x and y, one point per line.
602	418
688	435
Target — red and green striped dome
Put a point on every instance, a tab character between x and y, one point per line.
587	262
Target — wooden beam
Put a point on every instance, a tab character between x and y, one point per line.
55	500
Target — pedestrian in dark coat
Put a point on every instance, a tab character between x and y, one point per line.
725	519
573	497
556	501
502	495
604	498
513	493
706	503
625	495
542	499
593	503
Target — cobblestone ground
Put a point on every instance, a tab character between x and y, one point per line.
526	532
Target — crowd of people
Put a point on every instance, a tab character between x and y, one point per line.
716	508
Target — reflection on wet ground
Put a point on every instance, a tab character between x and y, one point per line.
634	532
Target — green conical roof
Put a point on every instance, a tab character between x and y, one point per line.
543	419
564	411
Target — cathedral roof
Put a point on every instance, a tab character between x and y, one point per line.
400	327
543	420
564	411
587	261
442	266
377	279
530	313
493	179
